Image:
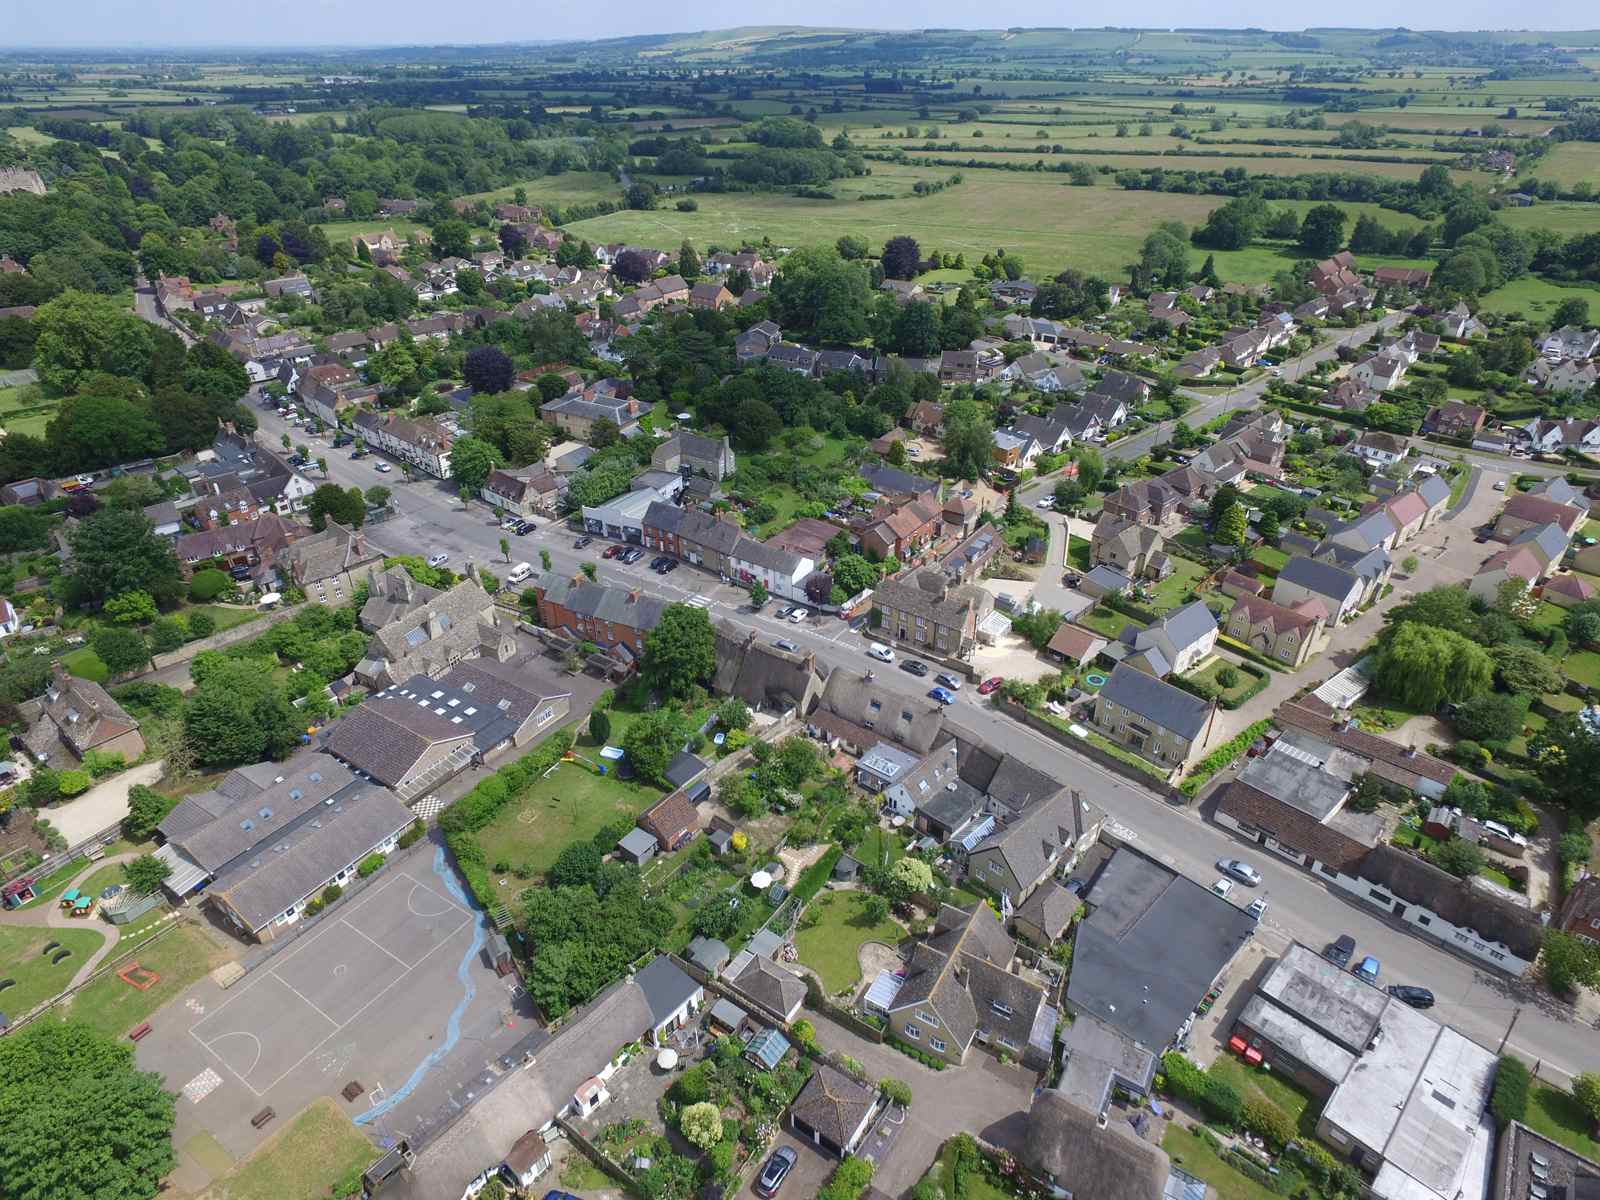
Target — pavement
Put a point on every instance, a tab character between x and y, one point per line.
102	806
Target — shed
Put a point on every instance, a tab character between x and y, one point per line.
727	1015
721	841
708	954
846	868
498	951
638	847
767	1048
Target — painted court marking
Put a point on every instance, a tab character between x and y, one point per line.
208	1080
201	1086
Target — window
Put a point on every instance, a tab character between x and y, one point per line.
996	867
1424	920
1375	894
929	1018
1001	1009
1007	1043
913	1033
937	1045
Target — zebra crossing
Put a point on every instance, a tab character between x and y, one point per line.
698	602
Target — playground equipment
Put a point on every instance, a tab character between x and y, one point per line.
574	757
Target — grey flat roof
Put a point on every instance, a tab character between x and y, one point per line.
1294	776
1154	941
1334	1001
1298	1039
636	842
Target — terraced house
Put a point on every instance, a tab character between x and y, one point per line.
424	444
930	614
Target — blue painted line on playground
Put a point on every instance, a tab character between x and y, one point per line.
452	1034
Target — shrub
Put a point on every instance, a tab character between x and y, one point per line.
803	1033
1228	677
1509	1101
895	1091
1215	1097
73	783
850	1179
1221	757
1573	847
692	1087
313	907
201	625
370	865
701	1124
331	893
1268	1122
412	835
910	1051
207	585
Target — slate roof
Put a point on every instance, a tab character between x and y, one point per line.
666	988
767	983
320	556
1538	511
390	594
602	602
893	481
1548	541
1049	907
1049	829
216	826
1159	703
1004	778
1325	579
833	1104
388	734
451	625
83	712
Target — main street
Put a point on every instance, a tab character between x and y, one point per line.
1481	1003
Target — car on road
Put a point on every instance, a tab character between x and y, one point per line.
439	559
914	666
880	652
942	695
775	1172
1257	908
1047	502
1240	870
355	454
632	555
613	550
1367	969
945	679
384	468
799	615
1222	887
1340	950
990	685
786	646
669	566
1416	997
583	541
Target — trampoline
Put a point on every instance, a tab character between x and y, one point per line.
1095	679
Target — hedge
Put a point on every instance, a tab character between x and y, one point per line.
1217	1098
1221	757
1509	1101
850	1179
814	876
922	1056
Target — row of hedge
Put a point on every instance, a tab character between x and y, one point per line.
1250	653
1220	1101
1206	691
485	802
1221	757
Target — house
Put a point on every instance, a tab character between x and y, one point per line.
710	296
893	482
1459	322
75	716
1146	502
1580	914
930	613
1548	542
1043	917
1380	449
1148	923
290	285
1022	854
329	566
1548	436
524	491
1570	342
1289	635
1410	279
1380	372
671	996
426	632
1155	719
423	443
1048	435
779	991
612	618
1136	550
577	412
1402	1096
970	366
1566	591
30	491
1080	1156
1454	419
1526	511
1074	644
1174	645
1513	563
782	572
833	1111
249	549
691	453
1332	274
1350	396
672	820
1302	578
857	713
270	837
901	531
756	342
926	418
958	989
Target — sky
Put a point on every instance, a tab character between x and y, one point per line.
109	23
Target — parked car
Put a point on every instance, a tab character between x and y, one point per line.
384	468
880	652
1257	908
1499	485
582	542
799	615
1367	969
945	679
775	1172
990	685
439	559
1240	870
613	550
1417	997
354	454
786	646
631	555
914	666
1222	887
1047	503
783	613
524	528
942	695
668	567
1340	950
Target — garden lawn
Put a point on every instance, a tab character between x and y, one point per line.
308	1159
829	945
1200	1160
114	1007
1557	1115
1078	553
568	807
1270	557
942	1178
879	848
1583	666
85	664
225	616
1169	593
1547	616
1270	1086
1208	675
22	958
1105	621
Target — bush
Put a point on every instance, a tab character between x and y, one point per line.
331	893
370	865
1228	677
1221	757
412	835
1509	1101
803	1033
201	625
701	1124
910	1051
208	584
1215	1097
1268	1122
850	1179
895	1091
692	1087
73	783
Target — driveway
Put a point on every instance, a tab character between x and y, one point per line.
101	806
981	1098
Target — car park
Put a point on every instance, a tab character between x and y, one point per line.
612	551
1416	997
1367	969
945	679
439	559
583	541
1240	870
777	1169
880	652
632	555
990	686
1340	951
786	646
942	695
913	666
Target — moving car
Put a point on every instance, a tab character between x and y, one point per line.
582	542
880	652
775	1172
913	666
384	468
1499	485
1339	952
1417	997
948	680
439	559
990	685
786	646
1240	870
1367	969
942	695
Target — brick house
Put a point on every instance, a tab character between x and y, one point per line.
1580	915
595	612
77	716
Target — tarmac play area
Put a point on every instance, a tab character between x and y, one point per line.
299	1003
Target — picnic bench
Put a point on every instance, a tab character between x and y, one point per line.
141	1030
262	1117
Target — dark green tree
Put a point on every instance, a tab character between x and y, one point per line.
117	550
1322	230
681	651
330	502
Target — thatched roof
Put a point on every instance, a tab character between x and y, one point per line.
1067	1144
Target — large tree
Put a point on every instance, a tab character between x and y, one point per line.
914	330
681	651
122	650
471	460
79	334
100	430
117	551
824	296
1322	230
1423	666
968	438
238	713
488	370
1069	295
901	257
1568	754
631	266
651	742
332	502
77	1118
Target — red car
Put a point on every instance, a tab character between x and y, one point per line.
612	551
989	685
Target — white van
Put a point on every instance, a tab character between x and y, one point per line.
880	652
520	572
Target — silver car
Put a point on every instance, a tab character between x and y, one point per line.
1240	870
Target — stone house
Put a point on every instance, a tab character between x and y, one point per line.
1163	723
930	614
1290	635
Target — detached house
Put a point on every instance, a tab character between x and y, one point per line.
1380	449
1174	645
1339	590
75	716
1289	635
690	454
524	491
1454	419
1025	852
1136	550
1380	373
1163	723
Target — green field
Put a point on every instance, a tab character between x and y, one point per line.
830	945
1535	298
1570	163
114	1007
26	409
24	960
305	1160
